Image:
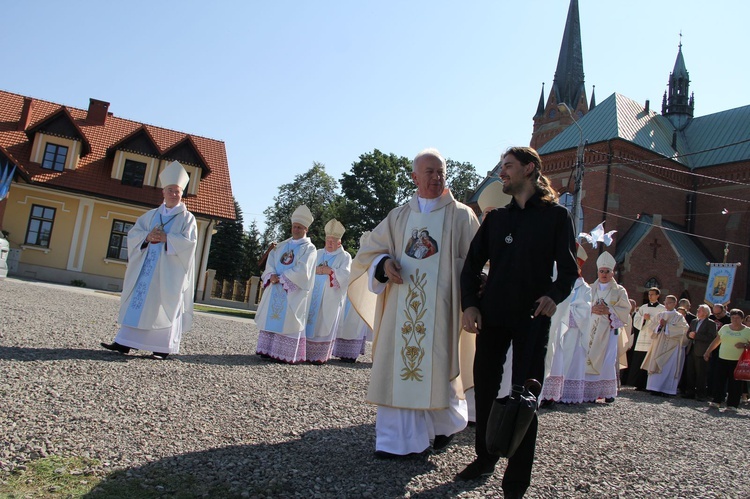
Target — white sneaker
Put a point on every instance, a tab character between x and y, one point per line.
731	409
714	405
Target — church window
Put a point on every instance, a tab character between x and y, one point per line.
118	240
40	226
133	173
54	157
652	283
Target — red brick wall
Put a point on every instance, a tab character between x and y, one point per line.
642	182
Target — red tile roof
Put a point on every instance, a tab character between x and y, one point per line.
93	174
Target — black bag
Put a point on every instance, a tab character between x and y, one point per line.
510	418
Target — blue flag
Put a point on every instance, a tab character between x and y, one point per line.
6	177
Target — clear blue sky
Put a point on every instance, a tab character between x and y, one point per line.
287	83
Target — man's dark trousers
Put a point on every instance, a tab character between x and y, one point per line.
529	348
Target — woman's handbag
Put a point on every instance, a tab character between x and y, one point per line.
510	418
742	371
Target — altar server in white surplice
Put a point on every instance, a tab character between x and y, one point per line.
610	311
156	305
413	261
327	298
666	355
565	352
287	282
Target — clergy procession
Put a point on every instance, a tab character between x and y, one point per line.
463	317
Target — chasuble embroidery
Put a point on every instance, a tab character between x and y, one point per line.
413	330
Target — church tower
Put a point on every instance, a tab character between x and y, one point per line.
567	86
675	104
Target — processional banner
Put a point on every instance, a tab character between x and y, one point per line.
720	282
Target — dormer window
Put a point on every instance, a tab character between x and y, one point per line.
54	157
133	173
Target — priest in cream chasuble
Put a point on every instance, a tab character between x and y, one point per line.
610	311
412	261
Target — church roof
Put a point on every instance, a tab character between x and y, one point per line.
619	117
690	249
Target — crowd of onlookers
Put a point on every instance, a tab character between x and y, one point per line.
706	354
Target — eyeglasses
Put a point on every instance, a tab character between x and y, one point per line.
604	271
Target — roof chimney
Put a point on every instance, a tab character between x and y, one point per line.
23	122
97	114
648	105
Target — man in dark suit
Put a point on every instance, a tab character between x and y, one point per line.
701	333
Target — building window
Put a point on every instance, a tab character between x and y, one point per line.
652	283
118	240
54	157
40	226
133	173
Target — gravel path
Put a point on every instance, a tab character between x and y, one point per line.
232	425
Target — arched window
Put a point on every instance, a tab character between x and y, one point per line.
652	283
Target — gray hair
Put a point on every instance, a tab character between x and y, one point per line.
430	151
705	307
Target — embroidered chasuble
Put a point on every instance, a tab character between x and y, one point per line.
616	298
159	279
418	346
665	342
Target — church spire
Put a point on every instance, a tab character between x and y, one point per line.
567	87
592	105
677	105
540	106
568	83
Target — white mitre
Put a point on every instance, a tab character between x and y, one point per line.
334	228
174	174
303	216
492	196
605	261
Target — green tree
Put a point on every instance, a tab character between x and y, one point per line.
314	188
370	190
253	249
227	247
461	178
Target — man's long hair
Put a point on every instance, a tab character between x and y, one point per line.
542	184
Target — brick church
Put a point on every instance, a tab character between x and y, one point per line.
675	186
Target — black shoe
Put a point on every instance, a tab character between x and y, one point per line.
348	361
317	362
609	400
477	469
159	356
115	347
263	355
547	404
381	454
441	442
687	396
513	494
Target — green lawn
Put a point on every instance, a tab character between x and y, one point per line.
235	312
